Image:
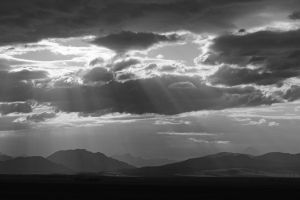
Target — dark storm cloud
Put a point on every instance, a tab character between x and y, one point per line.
293	93
230	76
16	107
259	47
32	20
275	54
295	15
126	40
163	95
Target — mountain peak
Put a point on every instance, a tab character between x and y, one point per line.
81	160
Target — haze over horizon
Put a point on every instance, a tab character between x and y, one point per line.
170	79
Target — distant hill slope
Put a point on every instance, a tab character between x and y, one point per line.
142	162
4	157
228	164
32	165
83	161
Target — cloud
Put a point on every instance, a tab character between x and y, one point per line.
274	54
41	117
171	122
293	93
7	123
98	74
295	15
209	142
120	65
186	134
272	124
33	20
19	85
182	85
96	61
15	107
262	122
125	76
232	76
22	75
152	95
126	40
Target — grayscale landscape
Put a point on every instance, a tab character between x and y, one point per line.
149	99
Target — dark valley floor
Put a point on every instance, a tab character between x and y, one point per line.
101	187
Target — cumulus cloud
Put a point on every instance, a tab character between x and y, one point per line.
126	40
98	74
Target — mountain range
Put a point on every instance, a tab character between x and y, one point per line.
228	164
221	164
62	162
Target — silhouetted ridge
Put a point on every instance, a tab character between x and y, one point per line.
225	163
32	165
4	157
83	161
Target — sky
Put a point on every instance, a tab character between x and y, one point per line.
153	78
